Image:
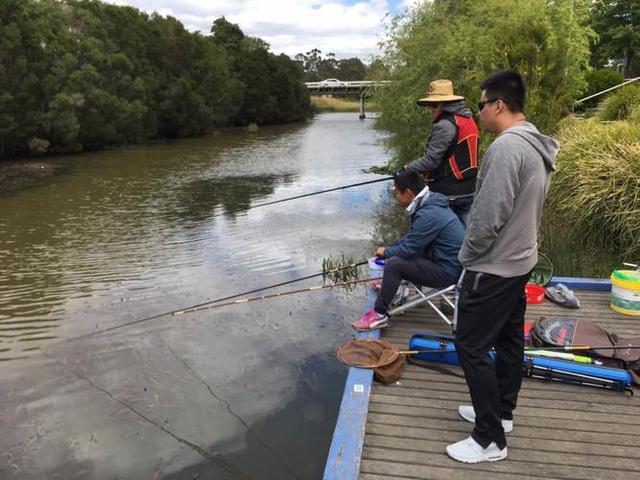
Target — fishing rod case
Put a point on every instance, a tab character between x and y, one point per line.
437	348
434	347
567	331
553	369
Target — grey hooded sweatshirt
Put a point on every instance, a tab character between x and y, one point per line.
512	184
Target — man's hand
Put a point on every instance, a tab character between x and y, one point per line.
380	252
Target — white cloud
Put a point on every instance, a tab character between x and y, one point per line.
345	27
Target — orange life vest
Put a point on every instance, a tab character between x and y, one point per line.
462	156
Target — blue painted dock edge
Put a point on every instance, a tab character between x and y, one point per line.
343	462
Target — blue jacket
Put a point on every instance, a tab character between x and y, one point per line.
436	233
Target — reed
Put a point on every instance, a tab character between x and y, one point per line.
341	270
595	193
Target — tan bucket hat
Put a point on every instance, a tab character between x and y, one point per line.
439	91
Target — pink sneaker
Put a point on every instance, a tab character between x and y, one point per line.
371	320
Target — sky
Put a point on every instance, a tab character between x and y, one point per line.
348	28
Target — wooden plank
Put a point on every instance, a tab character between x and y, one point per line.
549	417
554	452
561	430
422	461
589	432
411	387
379	470
630	413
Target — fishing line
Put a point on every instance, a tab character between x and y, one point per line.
177	312
209	455
218	300
321	191
274	295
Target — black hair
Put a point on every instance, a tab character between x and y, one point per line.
507	85
406	179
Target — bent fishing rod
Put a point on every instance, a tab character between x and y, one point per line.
343	187
202	306
273	295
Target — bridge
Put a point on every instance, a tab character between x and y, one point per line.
335	87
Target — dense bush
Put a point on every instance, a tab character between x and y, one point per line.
465	41
620	104
599	80
595	192
81	74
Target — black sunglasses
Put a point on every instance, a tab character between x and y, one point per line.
482	104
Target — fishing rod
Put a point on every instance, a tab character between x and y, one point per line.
274	295
585	347
563	356
343	187
249	292
221	299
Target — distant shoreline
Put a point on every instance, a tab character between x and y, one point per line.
332	104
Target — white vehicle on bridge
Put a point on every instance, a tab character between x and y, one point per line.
331	82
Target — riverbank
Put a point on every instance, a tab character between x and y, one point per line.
332	104
25	172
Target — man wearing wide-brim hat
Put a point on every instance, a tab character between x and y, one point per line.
450	159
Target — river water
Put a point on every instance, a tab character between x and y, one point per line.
246	391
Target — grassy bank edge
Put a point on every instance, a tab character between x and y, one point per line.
334	104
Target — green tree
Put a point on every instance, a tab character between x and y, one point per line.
546	40
82	74
351	69
265	88
617	23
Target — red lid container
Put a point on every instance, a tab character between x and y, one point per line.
535	293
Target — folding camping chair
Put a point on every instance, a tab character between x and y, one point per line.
411	296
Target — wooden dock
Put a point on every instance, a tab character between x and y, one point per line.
560	431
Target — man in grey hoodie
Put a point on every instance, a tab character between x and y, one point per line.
450	159
498	254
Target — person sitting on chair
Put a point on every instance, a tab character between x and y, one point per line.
427	255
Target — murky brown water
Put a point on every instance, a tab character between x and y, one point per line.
249	391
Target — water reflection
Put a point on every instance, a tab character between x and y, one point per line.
128	234
197	201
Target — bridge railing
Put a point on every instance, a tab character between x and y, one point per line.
340	85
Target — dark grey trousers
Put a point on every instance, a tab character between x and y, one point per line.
418	270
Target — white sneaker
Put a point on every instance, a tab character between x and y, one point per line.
469	414
470	451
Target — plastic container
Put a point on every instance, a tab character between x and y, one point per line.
376	266
625	292
527	331
535	293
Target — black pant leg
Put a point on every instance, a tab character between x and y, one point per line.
418	270
485	305
391	279
509	355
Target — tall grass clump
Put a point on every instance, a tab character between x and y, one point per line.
621	105
595	193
